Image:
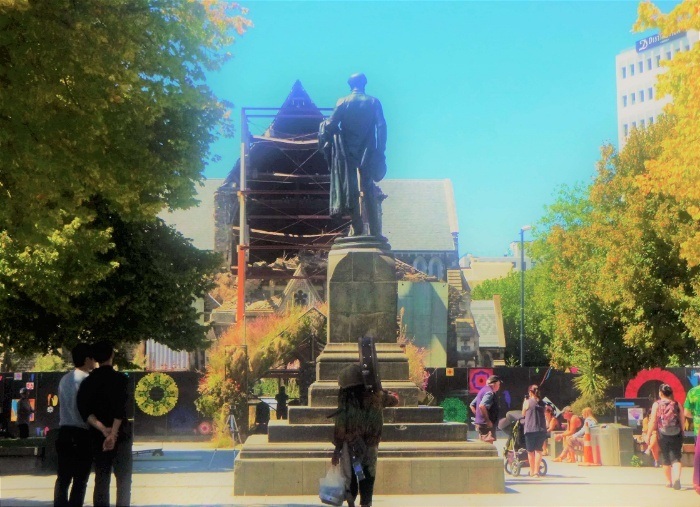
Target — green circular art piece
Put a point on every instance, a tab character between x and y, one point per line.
156	394
455	410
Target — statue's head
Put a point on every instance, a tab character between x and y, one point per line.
358	81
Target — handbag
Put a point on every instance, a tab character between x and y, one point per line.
331	489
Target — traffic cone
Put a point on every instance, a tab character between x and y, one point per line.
588	460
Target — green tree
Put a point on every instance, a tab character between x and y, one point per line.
620	283
105	120
538	313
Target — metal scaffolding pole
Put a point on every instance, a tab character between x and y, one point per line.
243	225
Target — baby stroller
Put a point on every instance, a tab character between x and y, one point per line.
514	453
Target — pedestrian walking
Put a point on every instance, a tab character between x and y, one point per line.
692	411
535	428
358	430
102	404
24	413
73	446
485	409
666	419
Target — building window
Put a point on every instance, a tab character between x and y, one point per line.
301	298
634	98
658	60
627	130
632	70
436	269
651	120
624	72
641	95
648	63
687	48
634	124
624	101
642	124
668	55
420	265
640	66
651	93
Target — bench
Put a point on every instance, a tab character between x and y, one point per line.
17	447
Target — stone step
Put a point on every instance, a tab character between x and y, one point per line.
409	468
325	393
420	414
282	431
258	446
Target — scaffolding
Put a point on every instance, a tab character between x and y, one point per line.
283	192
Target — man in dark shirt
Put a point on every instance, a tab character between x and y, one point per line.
102	404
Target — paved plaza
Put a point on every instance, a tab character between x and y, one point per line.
192	474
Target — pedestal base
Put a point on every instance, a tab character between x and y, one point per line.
403	468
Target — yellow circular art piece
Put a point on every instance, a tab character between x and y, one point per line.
156	394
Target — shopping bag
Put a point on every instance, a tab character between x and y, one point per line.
331	489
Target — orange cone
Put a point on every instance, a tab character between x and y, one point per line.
588	460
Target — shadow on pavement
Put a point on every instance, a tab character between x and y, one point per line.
185	462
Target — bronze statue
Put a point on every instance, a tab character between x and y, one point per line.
353	140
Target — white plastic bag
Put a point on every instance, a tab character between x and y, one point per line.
331	490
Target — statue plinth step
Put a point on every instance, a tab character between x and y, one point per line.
282	431
404	468
420	414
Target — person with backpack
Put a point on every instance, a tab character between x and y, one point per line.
666	420
358	430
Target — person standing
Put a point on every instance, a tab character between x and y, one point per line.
692	411
102	402
666	419
485	409
24	413
535	429
73	446
281	398
358	430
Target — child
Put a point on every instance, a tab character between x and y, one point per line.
358	430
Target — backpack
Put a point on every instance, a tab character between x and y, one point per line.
668	418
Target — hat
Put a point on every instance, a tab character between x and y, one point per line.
493	379
350	376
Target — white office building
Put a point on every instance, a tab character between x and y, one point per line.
637	69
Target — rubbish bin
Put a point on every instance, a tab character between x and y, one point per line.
616	444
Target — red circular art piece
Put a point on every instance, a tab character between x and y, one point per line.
204	428
478	378
659	375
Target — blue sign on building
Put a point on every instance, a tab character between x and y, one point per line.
656	40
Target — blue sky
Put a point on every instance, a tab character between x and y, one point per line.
509	100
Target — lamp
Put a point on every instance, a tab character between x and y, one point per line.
522	291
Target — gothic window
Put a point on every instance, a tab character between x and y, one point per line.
420	264
301	298
436	268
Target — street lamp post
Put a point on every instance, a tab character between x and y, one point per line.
522	292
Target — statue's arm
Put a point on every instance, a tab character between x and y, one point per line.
380	122
333	122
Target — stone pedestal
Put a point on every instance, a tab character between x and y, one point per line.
361	302
419	452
